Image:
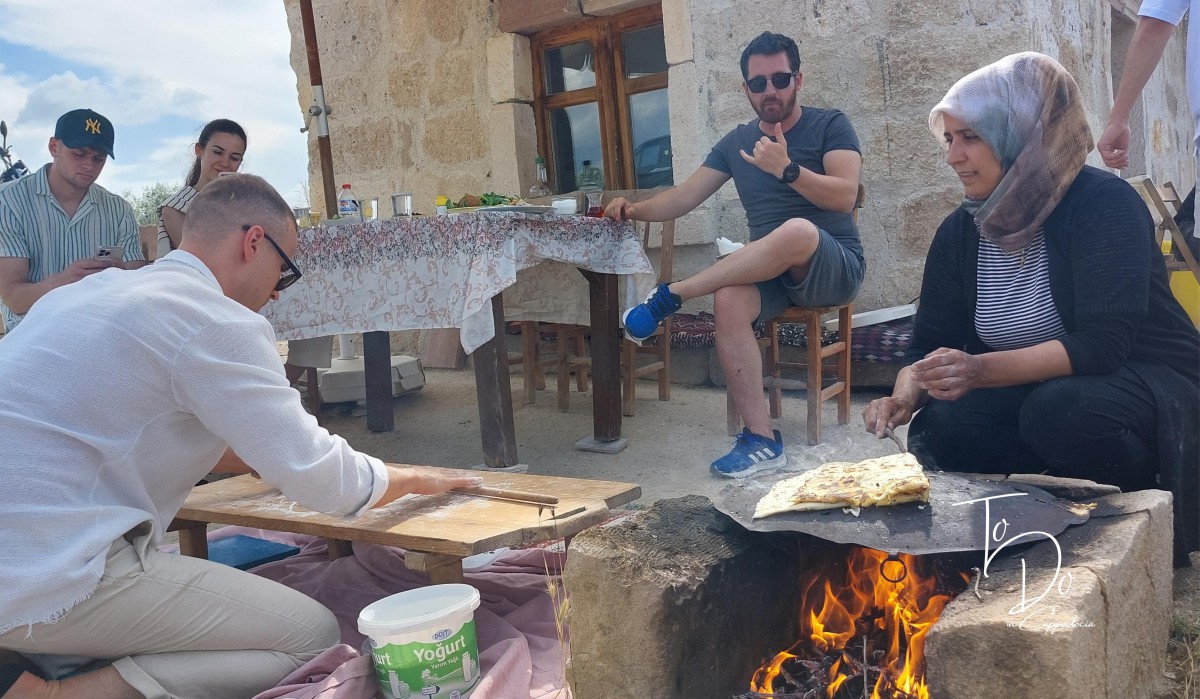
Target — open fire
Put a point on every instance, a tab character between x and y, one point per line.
863	621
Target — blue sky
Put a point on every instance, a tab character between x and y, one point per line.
159	74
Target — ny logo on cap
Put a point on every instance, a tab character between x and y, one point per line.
92	126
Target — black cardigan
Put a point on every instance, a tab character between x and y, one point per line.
1111	289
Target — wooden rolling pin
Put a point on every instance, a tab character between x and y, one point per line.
518	495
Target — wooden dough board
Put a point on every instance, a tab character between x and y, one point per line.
453	524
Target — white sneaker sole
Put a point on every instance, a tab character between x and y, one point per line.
625	329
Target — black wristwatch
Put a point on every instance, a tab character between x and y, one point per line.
790	173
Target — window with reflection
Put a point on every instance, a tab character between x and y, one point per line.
600	100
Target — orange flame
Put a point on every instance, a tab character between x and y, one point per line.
902	612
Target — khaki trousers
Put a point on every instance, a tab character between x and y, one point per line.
180	627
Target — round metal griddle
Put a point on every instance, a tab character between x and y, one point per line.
938	526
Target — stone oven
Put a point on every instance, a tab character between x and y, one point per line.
681	601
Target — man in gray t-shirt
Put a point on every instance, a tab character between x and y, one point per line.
796	171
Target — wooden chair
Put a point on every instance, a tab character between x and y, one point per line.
571	354
814	363
661	349
1164	223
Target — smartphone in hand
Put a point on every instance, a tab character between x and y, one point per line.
110	253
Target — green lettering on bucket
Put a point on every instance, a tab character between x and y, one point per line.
446	669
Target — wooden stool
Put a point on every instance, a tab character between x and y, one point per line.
814	364
566	338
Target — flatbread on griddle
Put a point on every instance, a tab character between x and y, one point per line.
887	480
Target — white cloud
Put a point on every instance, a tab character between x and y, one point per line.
189	60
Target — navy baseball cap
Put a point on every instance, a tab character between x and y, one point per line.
84	128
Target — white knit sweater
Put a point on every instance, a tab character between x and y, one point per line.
118	393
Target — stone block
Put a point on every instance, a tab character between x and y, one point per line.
406	85
454	137
685	97
677	30
447	20
512	138
366	147
1100	630
978	650
1132	555
919	218
455	78
906	15
509	69
676	602
601	8
528	16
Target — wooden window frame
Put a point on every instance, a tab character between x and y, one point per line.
611	92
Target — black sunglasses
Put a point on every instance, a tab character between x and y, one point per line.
293	273
779	80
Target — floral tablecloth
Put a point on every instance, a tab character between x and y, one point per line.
442	271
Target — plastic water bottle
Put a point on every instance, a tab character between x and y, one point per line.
347	204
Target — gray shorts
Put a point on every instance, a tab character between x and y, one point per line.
834	278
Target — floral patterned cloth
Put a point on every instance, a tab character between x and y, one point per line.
442	271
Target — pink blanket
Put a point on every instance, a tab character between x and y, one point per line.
520	654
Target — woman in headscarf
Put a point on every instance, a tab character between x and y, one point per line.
1047	337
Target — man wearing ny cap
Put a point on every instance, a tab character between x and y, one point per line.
54	222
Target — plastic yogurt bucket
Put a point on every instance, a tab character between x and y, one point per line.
423	642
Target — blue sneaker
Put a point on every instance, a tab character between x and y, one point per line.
751	453
642	320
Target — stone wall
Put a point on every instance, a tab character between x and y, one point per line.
434	98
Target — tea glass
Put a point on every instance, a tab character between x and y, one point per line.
594	209
402	204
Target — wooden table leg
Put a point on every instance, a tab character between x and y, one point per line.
447	574
338	548
492	386
442	568
193	538
606	366
377	374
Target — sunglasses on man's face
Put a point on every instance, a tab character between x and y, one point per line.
779	80
288	276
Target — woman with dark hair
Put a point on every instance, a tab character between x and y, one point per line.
1047	338
219	149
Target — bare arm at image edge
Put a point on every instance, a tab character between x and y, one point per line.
674	202
1145	50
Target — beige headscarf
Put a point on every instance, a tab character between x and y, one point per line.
1027	108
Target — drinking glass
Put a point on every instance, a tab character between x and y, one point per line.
402	204
594	208
370	208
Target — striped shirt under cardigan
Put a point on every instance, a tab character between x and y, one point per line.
33	225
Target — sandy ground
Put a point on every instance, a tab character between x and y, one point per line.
671	444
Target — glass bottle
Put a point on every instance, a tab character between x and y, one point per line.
590	177
540	188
